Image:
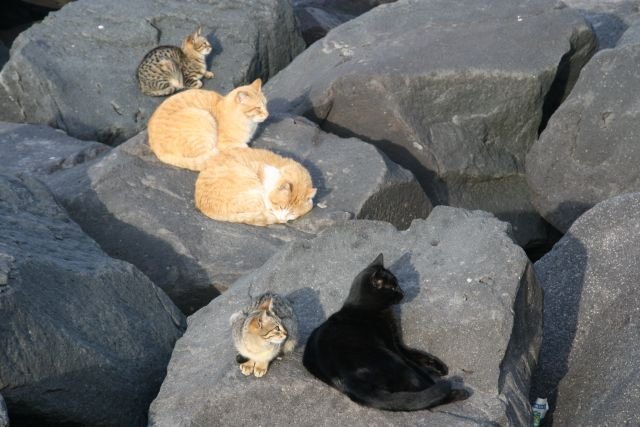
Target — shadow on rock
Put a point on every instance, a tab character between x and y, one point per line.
561	311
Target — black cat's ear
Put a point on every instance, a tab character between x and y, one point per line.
378	262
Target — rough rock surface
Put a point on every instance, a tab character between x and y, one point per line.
590	151
609	19
76	69
589	355
40	150
316	17
470	297
85	338
142	211
4	417
631	36
4	54
454	91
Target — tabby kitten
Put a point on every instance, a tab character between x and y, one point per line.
359	351
190	127
262	331
166	69
254	186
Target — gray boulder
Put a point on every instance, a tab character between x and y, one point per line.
4	54
470	297
142	211
85	338
590	360
589	151
4	417
76	69
454	91
316	17
40	150
631	36
609	19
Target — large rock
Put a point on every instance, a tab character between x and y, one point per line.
76	69
454	91
85	338
590	356
142	211
589	152
470	297
4	54
609	19
40	150
4	417
316	17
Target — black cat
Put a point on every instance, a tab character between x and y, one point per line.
359	351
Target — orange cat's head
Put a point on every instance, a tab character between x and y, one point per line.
197	43
288	190
250	102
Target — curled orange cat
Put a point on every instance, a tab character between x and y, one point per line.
188	128
254	186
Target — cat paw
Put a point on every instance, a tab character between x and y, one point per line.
260	369
208	75
197	84
440	368
458	394
247	368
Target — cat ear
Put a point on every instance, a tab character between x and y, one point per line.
199	30
256	322
285	186
311	193
266	304
378	262
241	97
257	84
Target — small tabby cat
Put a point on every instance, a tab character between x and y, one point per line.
165	69
189	128
262	331
254	186
360	352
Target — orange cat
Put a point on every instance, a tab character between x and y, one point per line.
188	128
254	186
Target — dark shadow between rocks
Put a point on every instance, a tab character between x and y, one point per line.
561	311
539	248
146	252
567	213
608	27
435	189
565	78
91	381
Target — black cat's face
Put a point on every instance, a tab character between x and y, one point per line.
384	284
375	288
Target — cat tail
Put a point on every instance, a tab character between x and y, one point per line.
439	393
196	164
235	316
